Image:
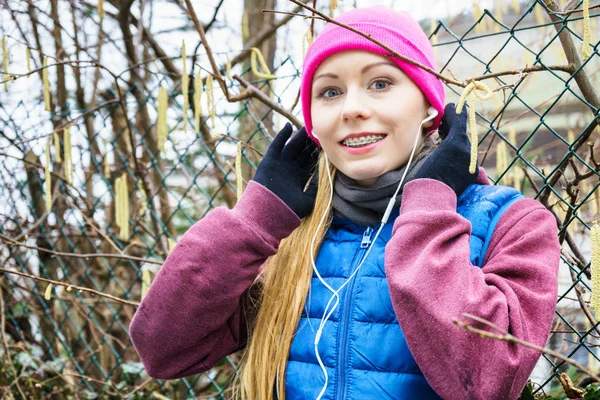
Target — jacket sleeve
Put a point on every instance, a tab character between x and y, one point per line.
431	281
193	313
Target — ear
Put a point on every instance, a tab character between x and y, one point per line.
427	124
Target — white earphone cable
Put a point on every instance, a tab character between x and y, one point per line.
432	114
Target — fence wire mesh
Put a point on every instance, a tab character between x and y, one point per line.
537	134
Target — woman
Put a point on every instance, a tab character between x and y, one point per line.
405	241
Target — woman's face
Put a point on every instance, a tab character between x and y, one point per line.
363	94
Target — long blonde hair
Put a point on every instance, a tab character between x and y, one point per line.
286	279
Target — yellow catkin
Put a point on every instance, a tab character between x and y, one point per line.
143	198
517	173
306	42
46	85
118	202
477	13
68	156
474	138
228	69
125	231
470	93
539	16
245	26
256	56
497	102
185	84
28	59
528	59
57	147
517	177
595	246
161	129
501	162
238	170
571	137
468	89
122	204
5	63
48	292
332	6
498	15
106	163
210	99
101	9
146	281
197	104
587	33
512	136
48	182
171	244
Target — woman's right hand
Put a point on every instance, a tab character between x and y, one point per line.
285	169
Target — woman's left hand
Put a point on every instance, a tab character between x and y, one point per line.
449	163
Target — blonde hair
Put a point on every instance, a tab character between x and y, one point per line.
286	279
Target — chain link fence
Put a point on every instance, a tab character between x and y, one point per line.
537	134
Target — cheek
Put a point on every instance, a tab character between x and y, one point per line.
321	121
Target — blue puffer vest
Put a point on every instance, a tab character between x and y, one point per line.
362	345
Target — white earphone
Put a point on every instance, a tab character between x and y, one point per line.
432	113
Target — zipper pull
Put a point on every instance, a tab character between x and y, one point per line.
366	239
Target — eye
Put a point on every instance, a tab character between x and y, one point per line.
381	84
328	93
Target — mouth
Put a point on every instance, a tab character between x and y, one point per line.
362	143
358	140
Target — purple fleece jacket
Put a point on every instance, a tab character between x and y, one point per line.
193	314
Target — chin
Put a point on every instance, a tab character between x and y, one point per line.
363	175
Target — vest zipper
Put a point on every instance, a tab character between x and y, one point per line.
364	244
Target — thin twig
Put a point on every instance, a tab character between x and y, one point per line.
570	68
575	11
68	285
257	94
377	42
507	337
137	388
85	256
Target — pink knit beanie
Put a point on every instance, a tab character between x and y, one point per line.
397	30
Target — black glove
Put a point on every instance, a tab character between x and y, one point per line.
285	169
449	162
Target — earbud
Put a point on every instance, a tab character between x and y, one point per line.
431	111
313	133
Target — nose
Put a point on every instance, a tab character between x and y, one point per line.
355	106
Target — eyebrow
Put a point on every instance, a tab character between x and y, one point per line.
362	71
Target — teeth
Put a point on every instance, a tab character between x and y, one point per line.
364	140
